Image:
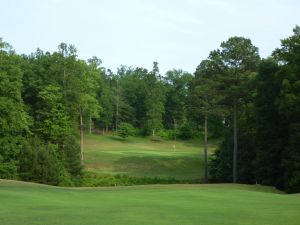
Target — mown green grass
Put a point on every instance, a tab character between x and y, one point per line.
138	156
31	204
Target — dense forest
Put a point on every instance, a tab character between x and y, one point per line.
49	100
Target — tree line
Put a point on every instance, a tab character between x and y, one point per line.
48	100
261	99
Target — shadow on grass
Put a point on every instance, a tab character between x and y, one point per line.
157	165
199	143
117	138
123	140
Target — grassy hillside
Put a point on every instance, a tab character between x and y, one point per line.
137	156
31	204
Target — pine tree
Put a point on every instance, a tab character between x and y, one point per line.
239	58
206	98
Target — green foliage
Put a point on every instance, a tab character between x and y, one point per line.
8	170
288	103
163	134
57	89
154	101
67	181
176	85
125	130
269	137
71	158
27	160
45	165
13	119
9	150
187	131
269	124
48	169
105	96
205	98
220	164
171	134
51	95
52	120
130	95
104	180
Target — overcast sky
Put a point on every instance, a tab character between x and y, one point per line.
175	33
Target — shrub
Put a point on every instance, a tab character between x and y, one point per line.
8	171
94	180
186	131
125	130
49	169
39	162
27	160
163	134
172	134
9	151
66	180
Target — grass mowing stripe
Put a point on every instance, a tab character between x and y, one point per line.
30	204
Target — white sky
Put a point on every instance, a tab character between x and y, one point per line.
176	34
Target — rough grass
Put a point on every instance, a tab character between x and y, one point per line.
31	204
137	156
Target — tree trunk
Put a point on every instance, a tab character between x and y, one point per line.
153	132
205	150
235	142
81	136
